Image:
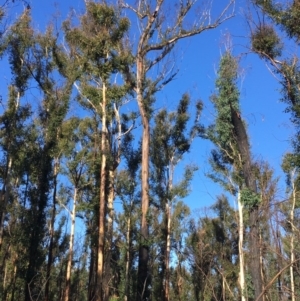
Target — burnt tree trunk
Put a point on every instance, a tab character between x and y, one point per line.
250	183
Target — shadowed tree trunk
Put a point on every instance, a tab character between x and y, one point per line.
51	230
250	182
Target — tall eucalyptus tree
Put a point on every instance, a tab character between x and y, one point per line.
99	54
160	26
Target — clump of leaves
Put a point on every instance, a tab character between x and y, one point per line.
249	198
290	20
265	41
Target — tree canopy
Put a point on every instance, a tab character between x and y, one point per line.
104	138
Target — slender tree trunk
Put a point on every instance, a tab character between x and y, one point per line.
254	242
92	282
38	221
102	202
168	251
51	244
261	264
241	251
109	231
4	199
279	265
13	289
71	247
292	246
254	252
6	186
128	259
92	224
168	213
179	282
5	284
143	277
223	286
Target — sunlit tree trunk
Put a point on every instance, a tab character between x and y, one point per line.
249	180
168	213
241	251
292	246
71	247
144	231
128	255
102	200
109	236
168	251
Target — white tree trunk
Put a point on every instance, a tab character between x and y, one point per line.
71	247
292	246
241	252
102	200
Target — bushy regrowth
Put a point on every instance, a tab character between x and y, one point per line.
265	41
226	100
290	20
291	79
249	198
286	14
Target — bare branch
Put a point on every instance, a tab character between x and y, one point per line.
182	34
159	58
274	279
81	94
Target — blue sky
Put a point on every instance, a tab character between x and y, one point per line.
197	59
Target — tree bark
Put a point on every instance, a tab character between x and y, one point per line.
241	251
37	222
254	241
127	296
51	230
292	246
143	278
102	202
153	27
110	219
71	247
166	286
168	214
4	198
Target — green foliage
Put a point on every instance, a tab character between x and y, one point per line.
96	45
222	171
249	286
212	250
19	41
291	70
226	100
170	141
46	138
285	14
225	160
249	198
290	162
289	20
265	40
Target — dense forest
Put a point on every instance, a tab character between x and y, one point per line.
93	176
